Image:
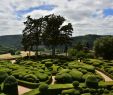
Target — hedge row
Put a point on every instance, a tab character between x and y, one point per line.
28	84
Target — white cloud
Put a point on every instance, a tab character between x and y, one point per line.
86	15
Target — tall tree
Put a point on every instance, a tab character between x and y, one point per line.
27	39
104	47
52	32
32	33
55	33
66	36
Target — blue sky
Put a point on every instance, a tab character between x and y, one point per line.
86	16
108	12
41	7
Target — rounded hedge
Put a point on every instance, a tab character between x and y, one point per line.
76	75
48	64
75	84
42	77
91	81
31	78
70	92
3	76
10	86
63	78
43	87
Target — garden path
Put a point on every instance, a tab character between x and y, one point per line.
106	78
22	90
53	80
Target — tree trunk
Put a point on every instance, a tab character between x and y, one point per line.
53	50
36	51
66	48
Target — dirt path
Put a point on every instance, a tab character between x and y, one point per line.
13	61
53	80
22	90
106	78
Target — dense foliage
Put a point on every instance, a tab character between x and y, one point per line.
104	47
49	30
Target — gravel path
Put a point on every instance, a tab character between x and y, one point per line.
53	80
106	78
22	90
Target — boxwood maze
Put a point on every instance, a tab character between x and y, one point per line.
71	77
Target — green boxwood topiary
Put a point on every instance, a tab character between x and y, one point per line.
42	77
70	92
76	75
91	81
63	78
75	84
31	78
10	86
43	88
48	64
3	76
86	94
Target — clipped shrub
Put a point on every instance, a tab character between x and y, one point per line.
75	84
2	94
43	88
10	86
84	77
3	76
86	94
91	81
70	92
89	68
84	71
48	64
76	75
63	78
46	60
42	77
31	78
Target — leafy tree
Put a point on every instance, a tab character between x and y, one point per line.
55	34
79	46
104	47
32	33
27	39
66	33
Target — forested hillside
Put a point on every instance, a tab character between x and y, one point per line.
14	41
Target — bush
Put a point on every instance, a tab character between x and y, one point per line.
76	75
42	77
48	64
63	78
3	76
70	92
28	84
89	68
75	84
17	53
91	81
81	54
31	78
43	88
10	86
86	94
72	52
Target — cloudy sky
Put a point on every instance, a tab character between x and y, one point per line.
86	16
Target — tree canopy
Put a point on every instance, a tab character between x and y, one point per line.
104	47
48	30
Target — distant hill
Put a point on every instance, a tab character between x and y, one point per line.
14	41
86	39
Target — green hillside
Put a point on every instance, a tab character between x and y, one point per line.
84	39
14	41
